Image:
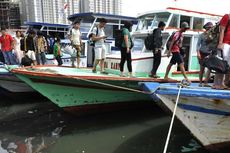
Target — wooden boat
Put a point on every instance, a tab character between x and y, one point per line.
204	111
72	88
11	83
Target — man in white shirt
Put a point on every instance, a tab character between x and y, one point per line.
75	38
99	48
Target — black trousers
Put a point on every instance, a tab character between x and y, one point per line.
125	57
156	62
59	60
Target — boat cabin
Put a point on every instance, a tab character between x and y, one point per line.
91	20
142	58
49	29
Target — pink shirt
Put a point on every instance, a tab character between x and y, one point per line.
178	38
6	42
224	22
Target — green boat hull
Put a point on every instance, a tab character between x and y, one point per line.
69	92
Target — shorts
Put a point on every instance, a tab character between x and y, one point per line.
100	52
176	58
31	55
78	49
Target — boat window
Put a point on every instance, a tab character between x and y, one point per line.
109	30
138	44
185	19
84	28
174	21
140	25
198	23
163	16
150	21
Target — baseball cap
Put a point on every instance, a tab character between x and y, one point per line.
184	25
208	25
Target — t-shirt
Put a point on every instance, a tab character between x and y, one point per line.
100	33
6	42
178	37
57	49
76	36
224	22
202	45
125	31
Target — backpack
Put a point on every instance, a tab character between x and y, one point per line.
216	64
118	38
91	42
212	35
169	40
149	41
26	61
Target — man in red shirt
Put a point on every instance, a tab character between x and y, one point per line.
6	42
175	46
224	44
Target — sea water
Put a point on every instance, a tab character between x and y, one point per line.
37	125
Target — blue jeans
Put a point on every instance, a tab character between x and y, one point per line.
41	58
9	58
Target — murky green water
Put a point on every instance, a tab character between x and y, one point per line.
39	126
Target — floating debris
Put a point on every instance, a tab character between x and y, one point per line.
57	131
2	150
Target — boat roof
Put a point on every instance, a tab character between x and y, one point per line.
46	24
91	15
181	11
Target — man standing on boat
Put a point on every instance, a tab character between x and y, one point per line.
75	38
29	46
7	43
202	52
175	48
157	43
40	48
100	49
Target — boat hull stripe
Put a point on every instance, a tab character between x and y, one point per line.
203	110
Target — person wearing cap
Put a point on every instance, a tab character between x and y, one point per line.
75	38
7	44
40	48
202	52
174	48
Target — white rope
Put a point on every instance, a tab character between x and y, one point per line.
115	86
172	120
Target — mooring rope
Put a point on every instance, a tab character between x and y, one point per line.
183	83
115	86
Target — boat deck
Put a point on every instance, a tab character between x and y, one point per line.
83	73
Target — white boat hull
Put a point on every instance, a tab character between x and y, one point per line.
208	119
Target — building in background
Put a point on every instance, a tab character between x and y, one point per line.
48	11
101	6
57	11
10	14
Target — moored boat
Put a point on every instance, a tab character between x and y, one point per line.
72	88
204	111
142	59
11	83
